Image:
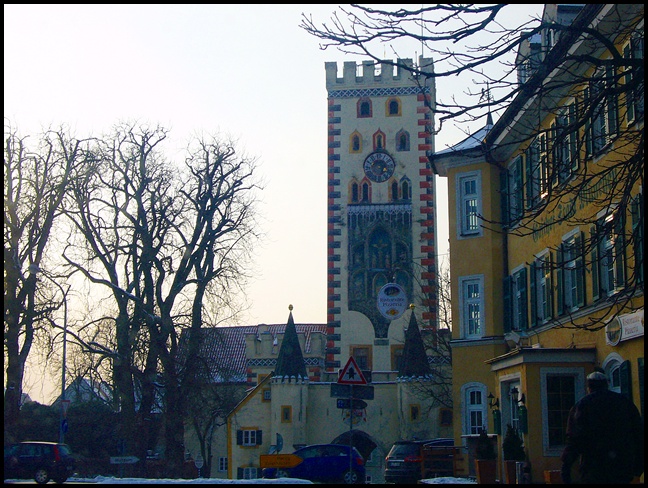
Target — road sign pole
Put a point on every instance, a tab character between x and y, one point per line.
350	428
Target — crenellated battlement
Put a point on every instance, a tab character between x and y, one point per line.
371	74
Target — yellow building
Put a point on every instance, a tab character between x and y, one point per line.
546	236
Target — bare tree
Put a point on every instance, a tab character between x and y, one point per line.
36	180
507	71
159	235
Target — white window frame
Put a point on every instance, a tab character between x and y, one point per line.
249	437
579	387
469	222
469	304
223	463
543	286
469	394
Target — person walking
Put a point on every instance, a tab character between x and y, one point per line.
606	431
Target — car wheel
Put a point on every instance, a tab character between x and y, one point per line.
60	479
350	477
41	476
282	473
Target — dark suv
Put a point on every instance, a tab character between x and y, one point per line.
404	459
41	461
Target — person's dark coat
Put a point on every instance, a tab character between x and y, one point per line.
606	431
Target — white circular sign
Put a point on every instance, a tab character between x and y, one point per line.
199	462
392	301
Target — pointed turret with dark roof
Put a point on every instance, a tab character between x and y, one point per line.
414	363
290	362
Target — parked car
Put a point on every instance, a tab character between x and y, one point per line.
41	461
324	463
403	463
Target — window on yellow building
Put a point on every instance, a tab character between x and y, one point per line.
472	306
541	289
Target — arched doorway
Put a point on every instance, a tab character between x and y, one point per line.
366	446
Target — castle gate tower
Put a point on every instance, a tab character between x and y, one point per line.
381	208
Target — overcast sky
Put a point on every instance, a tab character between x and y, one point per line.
246	71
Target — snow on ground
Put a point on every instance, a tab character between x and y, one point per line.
217	481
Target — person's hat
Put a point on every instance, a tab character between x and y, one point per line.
597	376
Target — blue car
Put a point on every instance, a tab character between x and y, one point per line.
326	463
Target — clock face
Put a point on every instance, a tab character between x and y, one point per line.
379	166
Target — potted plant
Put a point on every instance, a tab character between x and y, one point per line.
485	459
512	451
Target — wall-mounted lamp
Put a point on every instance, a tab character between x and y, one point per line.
520	400
515	394
493	403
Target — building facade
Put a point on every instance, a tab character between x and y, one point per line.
546	236
381	231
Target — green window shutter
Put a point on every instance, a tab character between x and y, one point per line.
640	371
239	473
560	285
589	150
524	296
596	282
636	210
620	252
580	270
549	313
625	379
506	296
259	437
239	437
528	167
532	291
504	197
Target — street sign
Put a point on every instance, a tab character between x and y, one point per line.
279	460
363	392
123	459
347	402
351	374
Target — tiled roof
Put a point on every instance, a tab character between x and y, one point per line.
224	347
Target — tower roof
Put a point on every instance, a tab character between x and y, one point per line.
415	362
290	362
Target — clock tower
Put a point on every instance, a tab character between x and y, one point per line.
381	209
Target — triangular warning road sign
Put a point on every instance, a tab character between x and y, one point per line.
351	374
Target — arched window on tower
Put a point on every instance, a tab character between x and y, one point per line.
393	107
355	197
402	141
364	108
355	144
366	192
406	189
379	140
394	191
